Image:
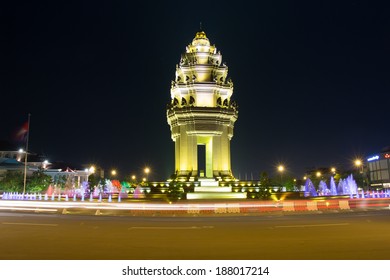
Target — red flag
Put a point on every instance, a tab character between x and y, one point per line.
21	134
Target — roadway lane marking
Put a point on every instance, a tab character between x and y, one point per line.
194	227
30	224
320	225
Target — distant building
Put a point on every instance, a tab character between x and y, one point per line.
9	164
11	151
378	169
12	158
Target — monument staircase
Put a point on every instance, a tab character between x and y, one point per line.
209	188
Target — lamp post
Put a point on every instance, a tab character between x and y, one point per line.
147	170
89	172
113	173
281	169
359	166
25	157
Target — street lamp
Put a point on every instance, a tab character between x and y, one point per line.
281	169
359	165
147	170
113	173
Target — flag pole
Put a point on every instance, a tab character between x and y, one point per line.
25	158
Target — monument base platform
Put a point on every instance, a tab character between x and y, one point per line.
209	189
216	195
213	189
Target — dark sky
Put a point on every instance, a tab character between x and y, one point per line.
311	79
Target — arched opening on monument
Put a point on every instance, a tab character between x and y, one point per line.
201	160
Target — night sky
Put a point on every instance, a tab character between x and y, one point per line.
311	80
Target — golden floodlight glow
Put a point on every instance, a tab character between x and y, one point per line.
281	168
113	172
318	174
358	162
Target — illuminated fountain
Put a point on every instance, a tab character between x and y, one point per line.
323	188
333	189
310	190
137	192
345	186
84	189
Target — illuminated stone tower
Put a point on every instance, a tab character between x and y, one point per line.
201	111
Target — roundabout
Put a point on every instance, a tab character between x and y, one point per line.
149	207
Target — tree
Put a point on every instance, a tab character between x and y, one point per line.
93	180
12	182
265	184
60	180
289	184
264	179
39	181
175	192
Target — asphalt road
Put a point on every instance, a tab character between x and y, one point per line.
326	236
